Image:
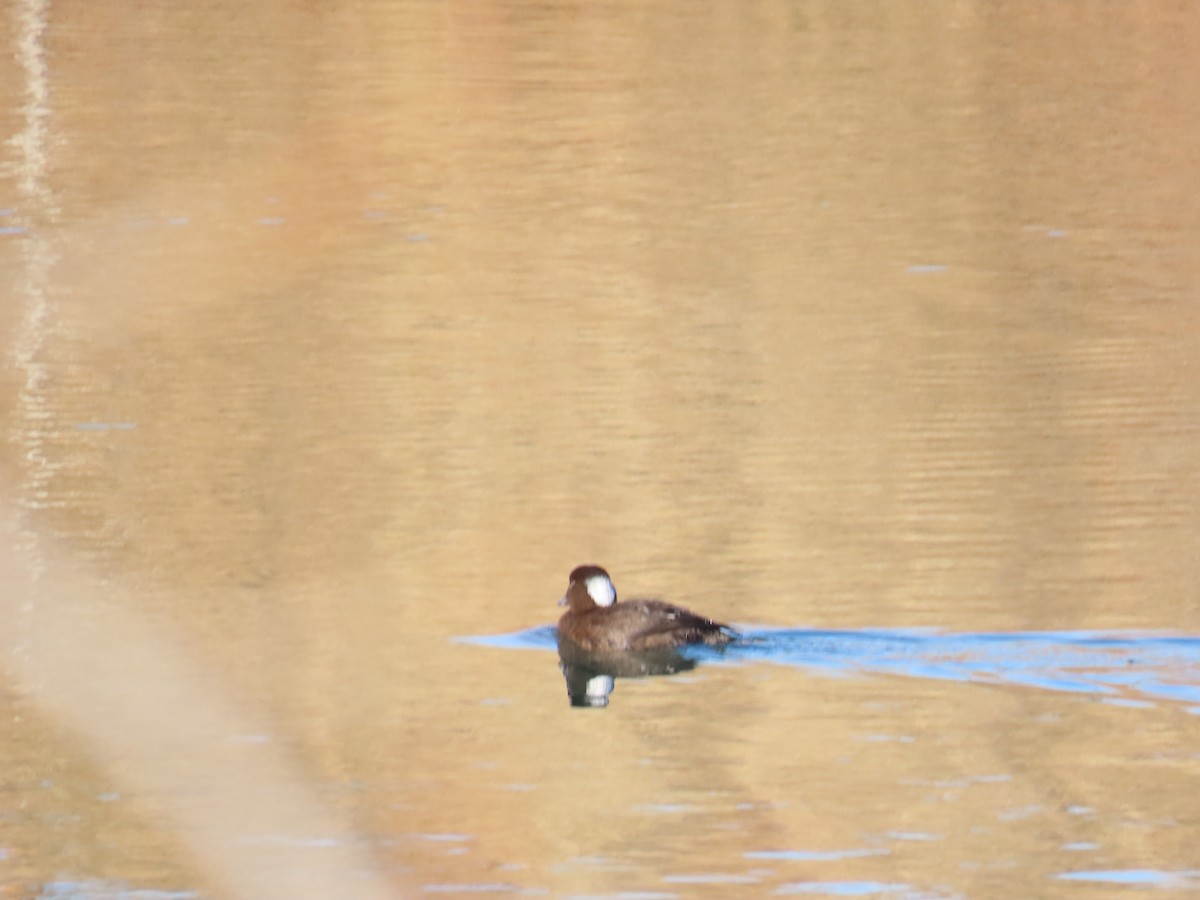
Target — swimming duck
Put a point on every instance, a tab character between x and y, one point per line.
596	623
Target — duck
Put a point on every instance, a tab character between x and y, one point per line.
595	623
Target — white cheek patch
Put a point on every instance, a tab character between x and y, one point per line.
601	590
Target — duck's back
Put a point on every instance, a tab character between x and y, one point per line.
640	625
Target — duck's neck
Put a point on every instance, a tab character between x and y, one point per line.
580	601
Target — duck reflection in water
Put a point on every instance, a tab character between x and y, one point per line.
600	639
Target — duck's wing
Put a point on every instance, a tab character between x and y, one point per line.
676	625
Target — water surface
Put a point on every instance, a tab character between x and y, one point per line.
333	336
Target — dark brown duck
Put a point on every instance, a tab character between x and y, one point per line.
597	623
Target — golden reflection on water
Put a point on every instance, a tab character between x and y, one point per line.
334	335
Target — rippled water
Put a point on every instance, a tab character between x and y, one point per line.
1129	669
336	336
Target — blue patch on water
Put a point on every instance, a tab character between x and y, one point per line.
710	878
1154	877
844	888
911	836
533	639
104	890
1123	666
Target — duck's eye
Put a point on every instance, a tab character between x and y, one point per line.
601	590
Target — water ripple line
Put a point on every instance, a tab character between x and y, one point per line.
1117	666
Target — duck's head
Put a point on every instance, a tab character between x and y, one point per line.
587	588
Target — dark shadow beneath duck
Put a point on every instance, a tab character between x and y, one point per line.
592	676
600	640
